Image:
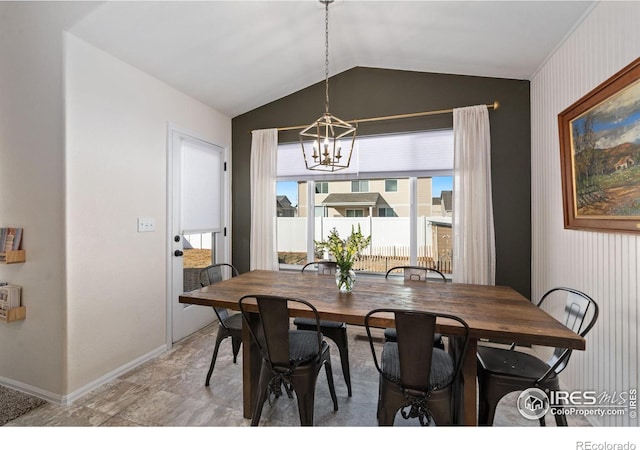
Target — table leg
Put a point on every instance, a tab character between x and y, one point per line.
469	377
251	361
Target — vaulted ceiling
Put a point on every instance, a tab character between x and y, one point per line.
238	55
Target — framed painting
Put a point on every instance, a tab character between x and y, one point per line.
600	156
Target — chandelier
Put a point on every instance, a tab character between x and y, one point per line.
324	152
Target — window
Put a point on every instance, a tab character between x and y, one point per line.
322	187
360	186
391	185
403	202
386	212
291	229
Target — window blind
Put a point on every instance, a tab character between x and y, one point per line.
425	153
201	187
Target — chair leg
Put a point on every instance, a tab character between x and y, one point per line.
235	345
388	405
483	412
561	419
332	388
263	392
305	388
342	343
219	338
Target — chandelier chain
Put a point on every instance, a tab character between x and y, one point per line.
326	57
329	134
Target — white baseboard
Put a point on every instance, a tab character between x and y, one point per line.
65	400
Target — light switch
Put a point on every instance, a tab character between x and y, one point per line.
146	224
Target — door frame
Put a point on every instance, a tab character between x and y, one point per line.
226	211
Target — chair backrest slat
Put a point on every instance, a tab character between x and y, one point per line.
415	348
274	318
415	334
272	337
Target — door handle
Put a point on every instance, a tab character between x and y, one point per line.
178	253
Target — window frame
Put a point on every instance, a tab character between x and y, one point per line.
360	184
319	185
387	209
391	190
362	176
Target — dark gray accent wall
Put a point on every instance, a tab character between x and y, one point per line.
365	92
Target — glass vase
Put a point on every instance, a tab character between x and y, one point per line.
345	280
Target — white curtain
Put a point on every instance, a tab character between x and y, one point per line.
264	149
474	254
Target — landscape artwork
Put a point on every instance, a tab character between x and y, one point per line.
600	146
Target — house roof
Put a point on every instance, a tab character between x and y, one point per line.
447	200
283	201
352	199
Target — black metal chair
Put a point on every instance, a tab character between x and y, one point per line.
229	325
505	370
336	331
415	377
418	273
292	358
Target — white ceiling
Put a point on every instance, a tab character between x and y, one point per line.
238	55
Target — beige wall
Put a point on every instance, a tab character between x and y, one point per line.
116	167
76	181
603	265
399	200
32	189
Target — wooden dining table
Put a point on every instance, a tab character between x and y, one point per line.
497	313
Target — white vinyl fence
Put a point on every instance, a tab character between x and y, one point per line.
389	235
386	232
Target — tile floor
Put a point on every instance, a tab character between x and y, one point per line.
169	391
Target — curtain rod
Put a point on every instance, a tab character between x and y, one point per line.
494	105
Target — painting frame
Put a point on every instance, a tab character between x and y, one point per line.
600	183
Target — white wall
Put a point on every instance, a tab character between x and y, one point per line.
116	169
32	187
603	265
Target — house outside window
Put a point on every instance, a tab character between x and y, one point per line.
391	185
405	208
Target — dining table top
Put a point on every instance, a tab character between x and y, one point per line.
491	312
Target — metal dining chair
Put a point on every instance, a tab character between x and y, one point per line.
505	370
290	358
229	325
336	331
416	378
418	273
